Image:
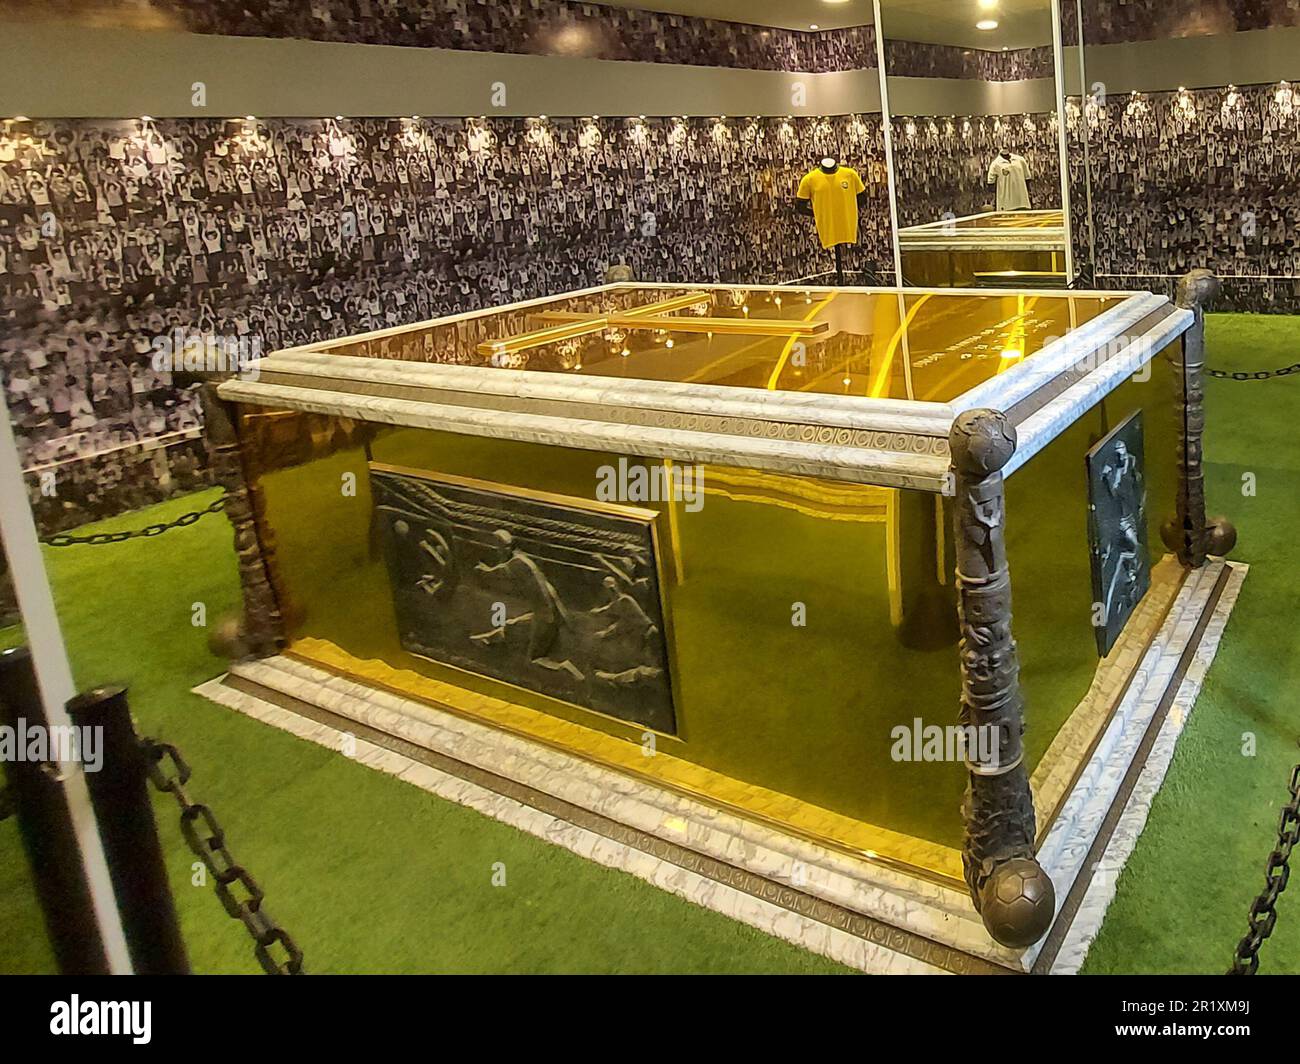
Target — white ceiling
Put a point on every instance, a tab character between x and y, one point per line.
1021	23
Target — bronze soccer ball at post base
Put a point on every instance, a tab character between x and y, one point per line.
226	640
1220	537
1018	903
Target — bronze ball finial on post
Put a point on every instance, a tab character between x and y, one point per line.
1189	534
1011	891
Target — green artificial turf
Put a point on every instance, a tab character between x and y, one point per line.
1184	894
369	874
373	875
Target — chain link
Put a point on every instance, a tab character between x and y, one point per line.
207	839
1263	910
1255	375
96	539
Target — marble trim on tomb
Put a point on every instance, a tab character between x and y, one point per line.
1023	380
1101	891
608	394
1001	392
829	460
941	914
1089	798
773	919
888	443
1047	423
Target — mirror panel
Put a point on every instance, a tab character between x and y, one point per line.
975	144
1079	105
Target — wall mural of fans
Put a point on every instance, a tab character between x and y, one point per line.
120	239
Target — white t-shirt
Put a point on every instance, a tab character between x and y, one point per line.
1011	175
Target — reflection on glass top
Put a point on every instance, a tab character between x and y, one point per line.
1000	220
910	345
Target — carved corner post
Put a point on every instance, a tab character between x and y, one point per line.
1012	893
261	629
1189	534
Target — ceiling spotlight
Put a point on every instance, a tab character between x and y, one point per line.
988	5
987	24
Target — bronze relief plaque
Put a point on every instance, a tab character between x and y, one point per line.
553	594
1117	529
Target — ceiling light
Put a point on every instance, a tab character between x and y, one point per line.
987	24
988	5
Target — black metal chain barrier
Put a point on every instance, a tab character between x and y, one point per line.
65	539
1253	375
207	839
1263	911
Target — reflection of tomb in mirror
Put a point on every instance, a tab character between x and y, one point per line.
975	142
992	249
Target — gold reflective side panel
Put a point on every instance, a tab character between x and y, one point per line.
1047	543
806	619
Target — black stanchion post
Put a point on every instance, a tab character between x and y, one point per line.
120	795
46	824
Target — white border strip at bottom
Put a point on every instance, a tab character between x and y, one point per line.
1105	879
770	919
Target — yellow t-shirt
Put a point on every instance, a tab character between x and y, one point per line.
835	203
